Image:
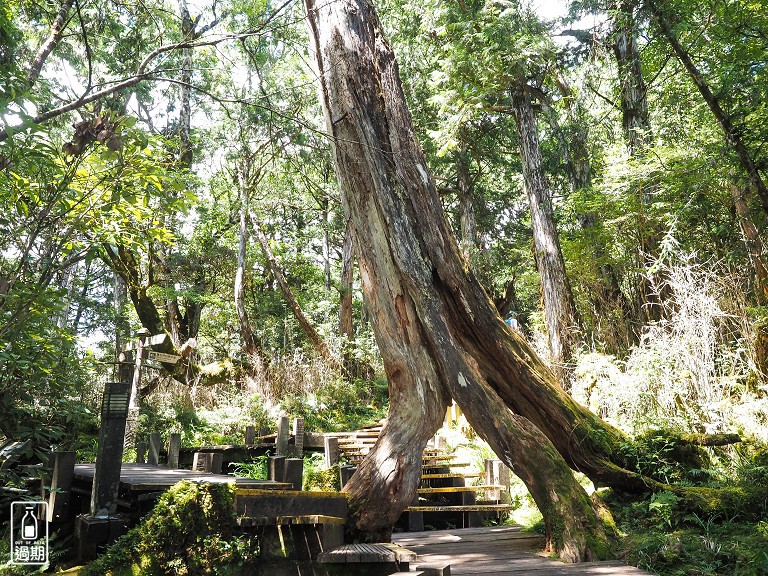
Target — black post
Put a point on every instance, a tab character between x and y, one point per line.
106	481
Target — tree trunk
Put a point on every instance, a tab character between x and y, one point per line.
732	135
754	244
465	185
250	343
124	264
346	326
633	91
185	104
431	318
559	308
326	215
57	29
306	325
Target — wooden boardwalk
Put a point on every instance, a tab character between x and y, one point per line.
147	478
499	551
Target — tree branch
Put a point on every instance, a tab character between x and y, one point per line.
57	29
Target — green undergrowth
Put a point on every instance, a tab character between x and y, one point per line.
661	541
188	533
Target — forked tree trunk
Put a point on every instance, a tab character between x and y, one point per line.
559	308
250	343
306	325
438	332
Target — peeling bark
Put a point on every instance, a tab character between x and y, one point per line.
438	332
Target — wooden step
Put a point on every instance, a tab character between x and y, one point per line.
451	475
464	508
447	465
450	489
249	521
440	458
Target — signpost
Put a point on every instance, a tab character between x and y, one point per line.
131	361
119	416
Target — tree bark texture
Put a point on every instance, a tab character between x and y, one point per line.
632	88
732	135
346	325
437	330
559	308
754	244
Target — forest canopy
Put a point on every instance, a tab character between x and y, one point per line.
168	166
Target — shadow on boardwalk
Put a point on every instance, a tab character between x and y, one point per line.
499	551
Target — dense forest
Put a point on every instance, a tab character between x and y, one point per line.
552	214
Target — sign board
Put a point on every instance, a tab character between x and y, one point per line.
162	357
151	341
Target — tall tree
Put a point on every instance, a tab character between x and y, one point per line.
633	93
732	133
559	307
433	322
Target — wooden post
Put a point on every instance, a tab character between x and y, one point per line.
174	445
141	452
61	484
155	442
109	458
493	469
503	479
331	445
281	444
415	519
134	377
345	473
250	435
208	462
294	472
298	437
277	468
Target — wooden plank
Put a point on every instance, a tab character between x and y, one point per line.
145	478
290	503
451	489
450	475
464	508
500	551
246	521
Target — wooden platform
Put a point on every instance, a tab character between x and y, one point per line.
147	478
499	551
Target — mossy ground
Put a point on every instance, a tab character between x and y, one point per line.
189	533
